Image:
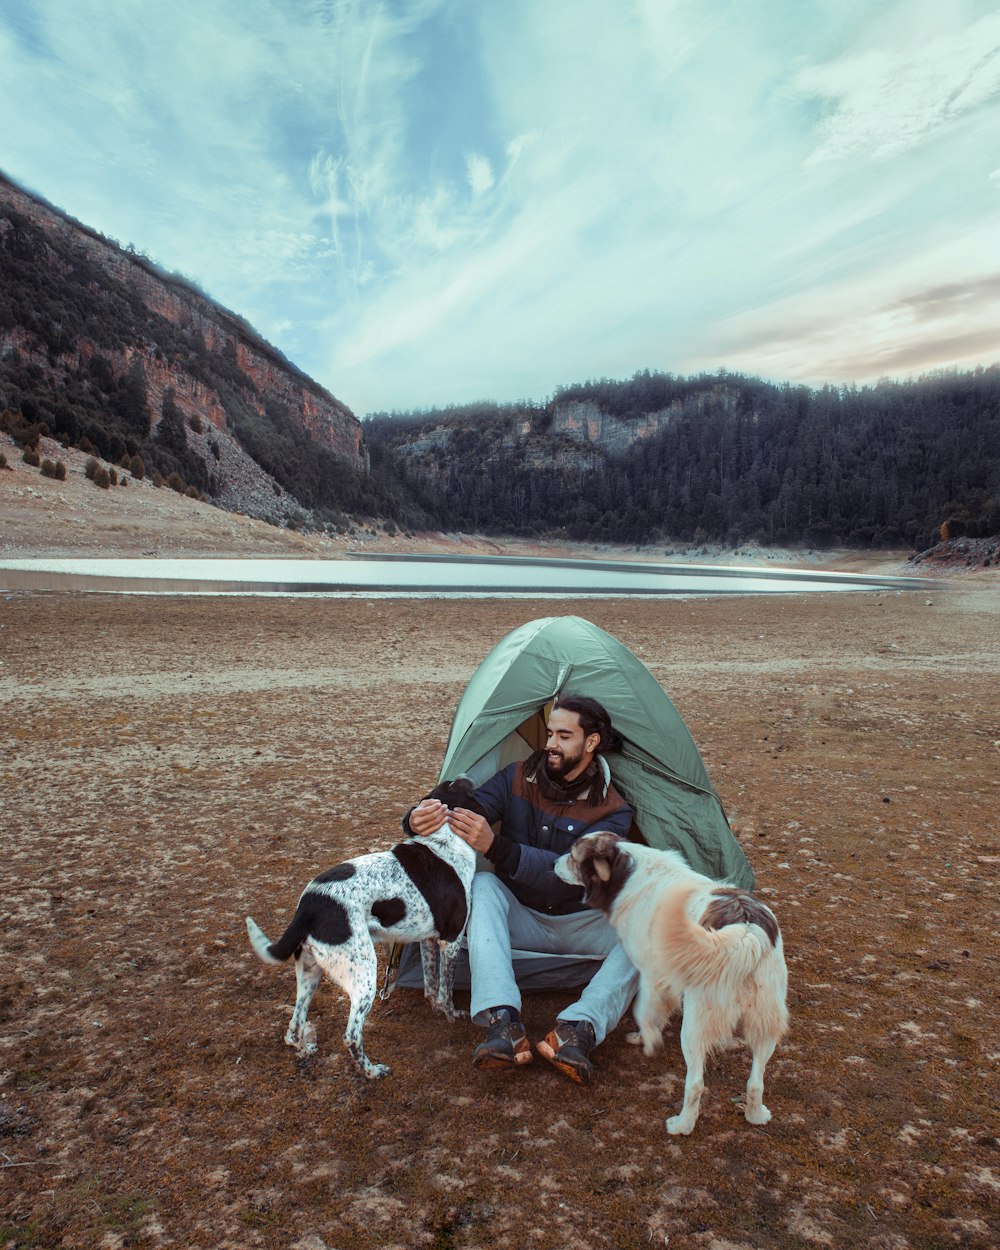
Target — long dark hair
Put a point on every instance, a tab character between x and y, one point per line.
594	719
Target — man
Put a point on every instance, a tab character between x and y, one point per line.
543	804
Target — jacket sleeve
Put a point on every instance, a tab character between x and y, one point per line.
535	865
495	793
494	796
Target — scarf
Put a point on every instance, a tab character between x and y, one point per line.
558	791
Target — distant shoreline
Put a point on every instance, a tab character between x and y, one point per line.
43	518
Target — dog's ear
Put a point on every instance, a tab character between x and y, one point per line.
459	793
602	867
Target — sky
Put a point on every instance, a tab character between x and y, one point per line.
431	202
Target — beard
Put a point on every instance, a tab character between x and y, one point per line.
558	764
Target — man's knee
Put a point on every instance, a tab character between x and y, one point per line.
487	890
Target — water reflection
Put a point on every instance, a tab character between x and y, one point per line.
426	576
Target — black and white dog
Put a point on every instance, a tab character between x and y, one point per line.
416	892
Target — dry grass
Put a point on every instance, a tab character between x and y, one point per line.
169	765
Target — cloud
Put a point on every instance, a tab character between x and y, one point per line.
968	349
839	337
479	173
428	202
885	99
978	297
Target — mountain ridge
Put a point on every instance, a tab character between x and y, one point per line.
719	458
104	351
109	352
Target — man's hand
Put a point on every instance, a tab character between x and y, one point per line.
471	828
428	817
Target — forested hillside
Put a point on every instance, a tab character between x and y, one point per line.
102	350
722	458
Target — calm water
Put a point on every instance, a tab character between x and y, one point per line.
427	576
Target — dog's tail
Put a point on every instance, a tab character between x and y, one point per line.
733	935
289	942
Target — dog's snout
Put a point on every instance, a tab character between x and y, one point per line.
563	868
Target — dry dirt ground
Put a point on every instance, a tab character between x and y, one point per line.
169	765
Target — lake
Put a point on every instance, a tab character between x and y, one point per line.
429	576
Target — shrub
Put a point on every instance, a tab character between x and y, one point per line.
102	478
91	467
193	492
48	467
953	527
23	432
177	483
123	480
195	423
137	468
30	456
3	461
112	477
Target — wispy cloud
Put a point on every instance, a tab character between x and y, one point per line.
886	96
429	201
480	174
954	323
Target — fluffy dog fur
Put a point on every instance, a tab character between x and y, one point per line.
703	944
416	892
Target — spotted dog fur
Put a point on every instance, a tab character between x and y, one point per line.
416	892
705	945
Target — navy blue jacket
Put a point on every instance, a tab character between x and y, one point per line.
535	831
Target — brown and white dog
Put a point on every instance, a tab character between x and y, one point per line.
708	946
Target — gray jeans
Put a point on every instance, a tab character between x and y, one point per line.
498	924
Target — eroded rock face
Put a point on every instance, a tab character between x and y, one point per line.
587	421
208	357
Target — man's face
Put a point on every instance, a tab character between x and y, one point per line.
568	751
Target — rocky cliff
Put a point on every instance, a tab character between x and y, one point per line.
572	435
586	421
102	346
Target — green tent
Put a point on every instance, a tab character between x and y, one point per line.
501	718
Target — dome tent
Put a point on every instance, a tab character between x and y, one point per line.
501	717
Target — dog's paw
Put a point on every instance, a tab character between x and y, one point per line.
651	1042
678	1126
375	1070
758	1115
451	1014
303	1042
303	1048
